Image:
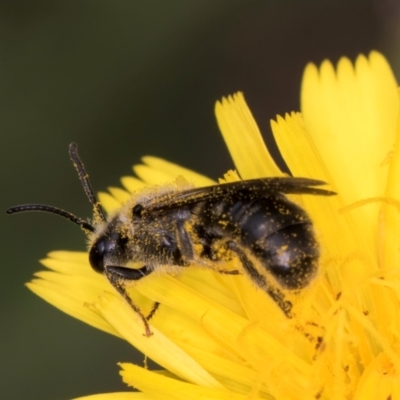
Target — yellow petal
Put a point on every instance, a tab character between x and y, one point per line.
70	285
68	262
132	184
389	221
119	194
243	139
175	170
353	113
231	373
379	381
70	294
108	202
156	171
158	347
117	396
220	322
304	159
298	149
162	387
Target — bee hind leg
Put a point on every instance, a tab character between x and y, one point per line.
119	277
260	280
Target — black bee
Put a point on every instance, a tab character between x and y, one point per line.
251	220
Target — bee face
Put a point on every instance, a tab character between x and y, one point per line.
108	248
252	221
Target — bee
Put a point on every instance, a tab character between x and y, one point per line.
251	221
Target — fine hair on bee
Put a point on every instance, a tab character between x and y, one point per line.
251	221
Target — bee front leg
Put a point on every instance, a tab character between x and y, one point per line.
257	278
118	277
153	310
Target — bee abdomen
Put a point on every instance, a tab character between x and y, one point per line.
280	236
291	255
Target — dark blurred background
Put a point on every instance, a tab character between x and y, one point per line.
125	79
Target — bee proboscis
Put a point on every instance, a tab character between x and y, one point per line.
250	220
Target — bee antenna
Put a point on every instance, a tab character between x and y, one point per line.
84	178
54	210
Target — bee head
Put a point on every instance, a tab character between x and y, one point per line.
109	247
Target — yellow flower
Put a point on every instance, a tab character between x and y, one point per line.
218	336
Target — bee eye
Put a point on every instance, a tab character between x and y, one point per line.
96	255
137	210
107	246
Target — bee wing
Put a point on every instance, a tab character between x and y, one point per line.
247	189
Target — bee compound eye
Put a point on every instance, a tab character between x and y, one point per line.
111	247
96	255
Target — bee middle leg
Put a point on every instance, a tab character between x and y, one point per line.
228	272
118	277
153	310
256	277
185	244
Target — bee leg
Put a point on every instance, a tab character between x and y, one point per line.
118	277
184	244
228	272
153	310
256	277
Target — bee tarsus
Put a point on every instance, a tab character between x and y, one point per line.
119	277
